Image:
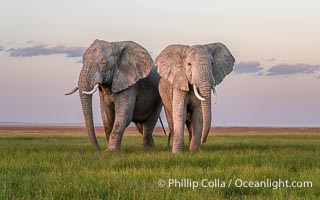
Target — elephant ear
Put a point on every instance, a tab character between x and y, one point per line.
223	61
170	66
134	63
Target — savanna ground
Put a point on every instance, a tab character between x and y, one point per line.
58	163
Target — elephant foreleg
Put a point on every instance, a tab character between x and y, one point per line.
107	114
124	107
196	123
179	118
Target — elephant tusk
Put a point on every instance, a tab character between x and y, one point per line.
215	96
95	88
197	93
72	91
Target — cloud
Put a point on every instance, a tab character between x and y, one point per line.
271	59
31	42
11	49
42	50
292	69
1	48
252	67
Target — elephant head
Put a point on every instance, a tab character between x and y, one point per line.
117	66
199	68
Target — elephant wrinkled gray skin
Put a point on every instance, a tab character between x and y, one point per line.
188	73
127	82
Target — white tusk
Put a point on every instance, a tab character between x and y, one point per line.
197	93
72	91
92	91
215	96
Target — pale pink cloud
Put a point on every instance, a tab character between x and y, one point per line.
43	49
251	67
292	69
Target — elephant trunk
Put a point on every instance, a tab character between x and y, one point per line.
205	90
86	102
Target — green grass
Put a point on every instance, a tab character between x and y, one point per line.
65	167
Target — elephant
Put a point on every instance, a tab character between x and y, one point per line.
188	74
128	83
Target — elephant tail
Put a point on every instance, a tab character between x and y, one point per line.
164	130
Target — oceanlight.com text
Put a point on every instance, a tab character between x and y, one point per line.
239	183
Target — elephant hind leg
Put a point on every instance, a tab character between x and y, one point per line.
148	127
189	127
139	127
170	124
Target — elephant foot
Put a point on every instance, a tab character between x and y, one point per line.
177	150
113	149
194	149
146	148
149	144
114	143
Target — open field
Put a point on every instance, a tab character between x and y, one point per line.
158	130
58	163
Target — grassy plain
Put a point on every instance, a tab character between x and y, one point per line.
36	165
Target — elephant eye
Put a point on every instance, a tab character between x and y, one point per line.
189	64
104	62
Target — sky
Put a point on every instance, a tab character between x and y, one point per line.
276	45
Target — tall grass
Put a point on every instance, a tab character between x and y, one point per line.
65	167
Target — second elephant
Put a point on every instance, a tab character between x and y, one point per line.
188	74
